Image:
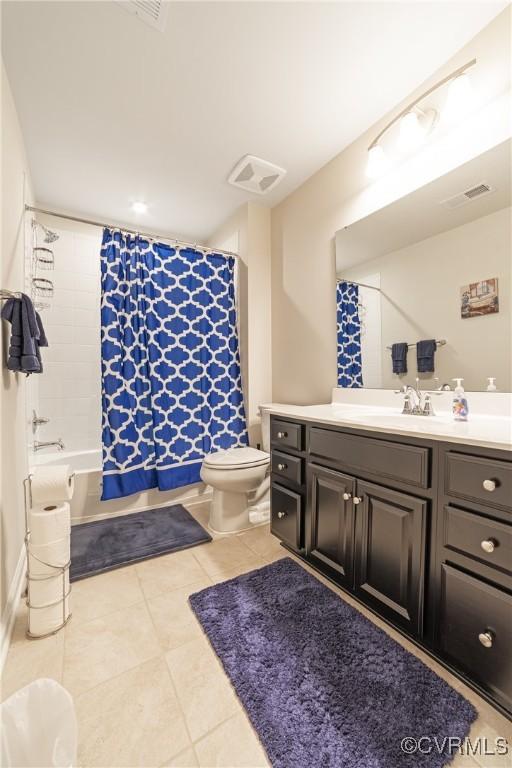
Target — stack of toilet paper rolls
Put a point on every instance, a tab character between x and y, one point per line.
49	550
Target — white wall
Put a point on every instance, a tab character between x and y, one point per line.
304	224
420	299
251	225
16	190
69	390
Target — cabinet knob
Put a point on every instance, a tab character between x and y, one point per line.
486	638
347	496
280	435
281	467
488	545
281	515
357	499
490	485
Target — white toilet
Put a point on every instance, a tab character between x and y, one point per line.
241	484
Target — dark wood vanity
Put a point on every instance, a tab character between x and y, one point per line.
420	531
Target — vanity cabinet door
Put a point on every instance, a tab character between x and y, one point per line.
390	559
332	522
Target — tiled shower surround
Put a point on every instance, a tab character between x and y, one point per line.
68	392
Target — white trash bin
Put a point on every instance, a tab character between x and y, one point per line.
39	727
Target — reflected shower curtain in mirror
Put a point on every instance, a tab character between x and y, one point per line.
171	380
348	325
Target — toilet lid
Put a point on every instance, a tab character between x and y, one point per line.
237	457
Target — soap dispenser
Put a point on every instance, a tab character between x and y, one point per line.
460	403
491	386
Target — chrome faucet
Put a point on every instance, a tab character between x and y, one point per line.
416	402
38	445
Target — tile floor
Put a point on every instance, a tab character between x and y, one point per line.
148	689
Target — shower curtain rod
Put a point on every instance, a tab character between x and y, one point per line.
354	282
147	235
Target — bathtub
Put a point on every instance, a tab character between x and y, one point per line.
86	504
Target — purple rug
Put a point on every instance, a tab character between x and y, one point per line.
323	686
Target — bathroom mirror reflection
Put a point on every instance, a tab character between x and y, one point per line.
433	266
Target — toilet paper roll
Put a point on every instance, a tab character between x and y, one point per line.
52	484
46	559
49	523
47	591
42	621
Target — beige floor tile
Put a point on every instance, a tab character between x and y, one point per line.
261	541
203	689
186	759
230	573
105	647
225	555
463	761
133	719
29	659
103	594
174	620
233	744
163	574
494	747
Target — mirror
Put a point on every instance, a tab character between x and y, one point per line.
434	265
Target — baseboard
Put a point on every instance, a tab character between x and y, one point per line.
13	598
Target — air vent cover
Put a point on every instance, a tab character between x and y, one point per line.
467	196
256	175
152	12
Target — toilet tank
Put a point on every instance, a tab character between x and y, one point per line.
265	427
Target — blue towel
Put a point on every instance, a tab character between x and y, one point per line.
399	357
27	335
425	351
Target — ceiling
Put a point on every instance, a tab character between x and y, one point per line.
421	214
114	111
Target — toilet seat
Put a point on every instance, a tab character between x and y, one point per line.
236	458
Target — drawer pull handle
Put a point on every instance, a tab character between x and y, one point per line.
347	496
486	639
490	485
488	545
281	515
282	467
281	435
357	499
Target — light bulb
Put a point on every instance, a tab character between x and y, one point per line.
139	207
459	99
378	162
412	132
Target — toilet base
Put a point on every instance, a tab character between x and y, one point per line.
230	513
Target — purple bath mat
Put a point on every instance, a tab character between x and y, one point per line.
323	686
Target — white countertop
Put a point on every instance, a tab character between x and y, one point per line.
485	431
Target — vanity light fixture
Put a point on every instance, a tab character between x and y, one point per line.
378	162
416	124
458	102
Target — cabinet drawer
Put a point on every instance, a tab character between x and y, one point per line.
287	434
286	466
488	481
476	536
405	463
286	516
476	631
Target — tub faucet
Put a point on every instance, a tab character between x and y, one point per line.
38	445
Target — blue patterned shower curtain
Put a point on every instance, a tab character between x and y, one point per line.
348	325
171	380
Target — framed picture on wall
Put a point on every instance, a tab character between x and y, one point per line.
477	299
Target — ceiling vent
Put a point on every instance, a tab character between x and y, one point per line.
467	196
256	175
152	12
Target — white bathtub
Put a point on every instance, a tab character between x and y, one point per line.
86	504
